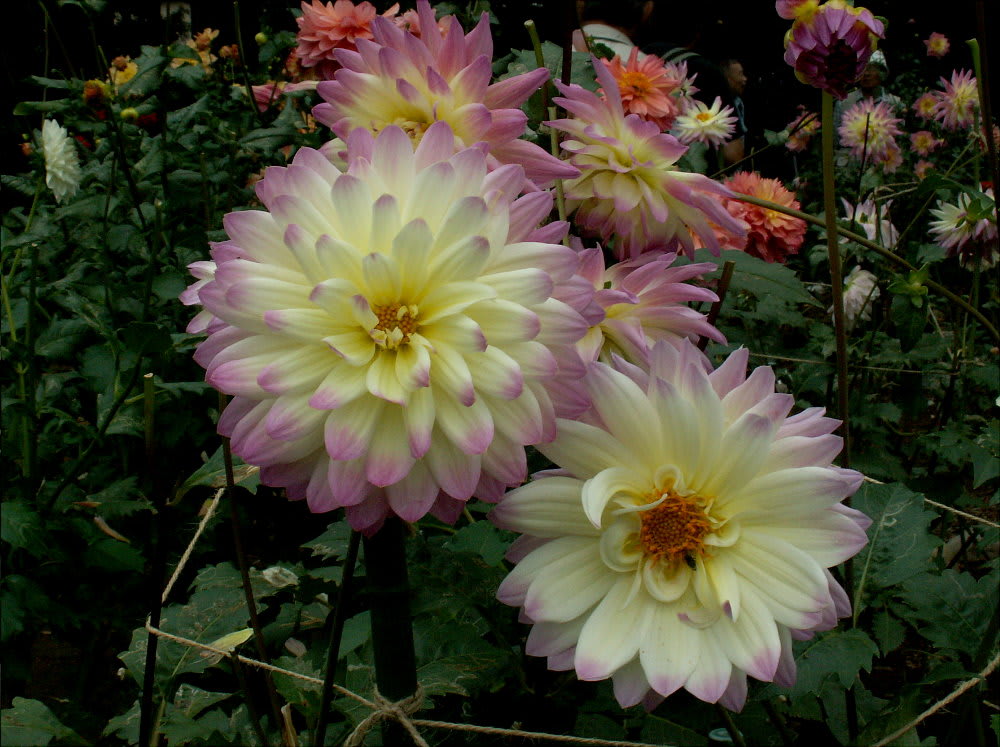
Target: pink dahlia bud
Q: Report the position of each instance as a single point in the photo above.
(388, 334)
(830, 46)
(686, 539)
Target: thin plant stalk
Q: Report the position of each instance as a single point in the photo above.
(241, 676)
(392, 629)
(336, 634)
(243, 65)
(241, 560)
(723, 287)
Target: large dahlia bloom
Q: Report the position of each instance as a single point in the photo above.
(686, 537)
(772, 236)
(957, 104)
(649, 88)
(62, 165)
(386, 332)
(644, 301)
(401, 80)
(630, 189)
(325, 27)
(869, 129)
(830, 44)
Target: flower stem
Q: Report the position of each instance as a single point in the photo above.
(392, 629)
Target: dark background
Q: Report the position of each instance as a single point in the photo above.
(746, 29)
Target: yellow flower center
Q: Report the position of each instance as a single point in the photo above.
(396, 323)
(413, 128)
(634, 83)
(703, 116)
(673, 530)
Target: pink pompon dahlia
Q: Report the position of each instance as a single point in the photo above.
(646, 87)
(772, 236)
(957, 104)
(401, 80)
(829, 45)
(869, 130)
(325, 27)
(630, 189)
(644, 301)
(686, 537)
(937, 45)
(711, 125)
(387, 333)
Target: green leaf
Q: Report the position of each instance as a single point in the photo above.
(457, 674)
(146, 338)
(191, 700)
(480, 538)
(894, 716)
(30, 723)
(909, 321)
(598, 726)
(332, 543)
(357, 631)
(952, 610)
(762, 279)
(213, 474)
(662, 731)
(61, 338)
(114, 556)
(899, 541)
(838, 655)
(888, 631)
(21, 526)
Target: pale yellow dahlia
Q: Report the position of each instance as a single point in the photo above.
(711, 125)
(387, 333)
(686, 537)
(62, 166)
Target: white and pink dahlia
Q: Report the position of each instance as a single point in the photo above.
(399, 79)
(711, 125)
(869, 129)
(686, 538)
(386, 332)
(644, 301)
(968, 228)
(630, 189)
(875, 220)
(957, 104)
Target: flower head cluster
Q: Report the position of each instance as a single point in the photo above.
(630, 188)
(387, 333)
(956, 105)
(62, 165)
(967, 228)
(771, 235)
(711, 125)
(685, 540)
(644, 300)
(869, 129)
(325, 27)
(650, 88)
(829, 45)
(801, 130)
(937, 45)
(923, 142)
(398, 79)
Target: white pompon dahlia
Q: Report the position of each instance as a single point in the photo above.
(686, 538)
(388, 332)
(62, 166)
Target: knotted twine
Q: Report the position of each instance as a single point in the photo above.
(387, 710)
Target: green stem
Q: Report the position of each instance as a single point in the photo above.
(243, 65)
(836, 272)
(881, 251)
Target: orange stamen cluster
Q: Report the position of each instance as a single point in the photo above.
(396, 323)
(635, 83)
(673, 530)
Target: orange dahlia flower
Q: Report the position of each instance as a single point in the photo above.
(772, 236)
(646, 88)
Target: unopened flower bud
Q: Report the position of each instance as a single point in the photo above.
(130, 114)
(261, 38)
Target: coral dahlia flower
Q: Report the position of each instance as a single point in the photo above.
(62, 165)
(644, 300)
(325, 27)
(386, 333)
(711, 125)
(957, 104)
(686, 537)
(646, 88)
(630, 188)
(401, 80)
(869, 130)
(772, 236)
(937, 45)
(829, 45)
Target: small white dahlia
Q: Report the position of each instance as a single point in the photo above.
(686, 537)
(387, 333)
(62, 165)
(860, 292)
(711, 125)
(968, 228)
